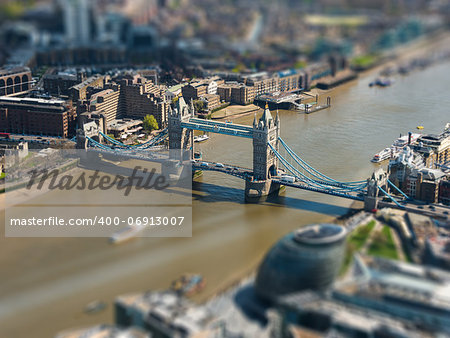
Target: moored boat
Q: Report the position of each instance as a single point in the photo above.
(201, 138)
(382, 155)
(126, 233)
(188, 284)
(382, 82)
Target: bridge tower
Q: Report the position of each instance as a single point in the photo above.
(180, 139)
(180, 142)
(265, 131)
(90, 127)
(378, 179)
(265, 164)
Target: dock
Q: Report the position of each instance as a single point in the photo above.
(316, 107)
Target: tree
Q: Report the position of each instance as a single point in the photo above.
(199, 106)
(150, 123)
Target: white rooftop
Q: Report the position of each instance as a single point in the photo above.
(30, 100)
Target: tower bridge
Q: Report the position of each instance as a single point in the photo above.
(275, 164)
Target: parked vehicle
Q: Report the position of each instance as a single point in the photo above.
(288, 179)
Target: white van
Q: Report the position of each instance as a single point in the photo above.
(288, 179)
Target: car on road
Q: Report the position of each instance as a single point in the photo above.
(204, 164)
(420, 206)
(445, 212)
(288, 179)
(219, 165)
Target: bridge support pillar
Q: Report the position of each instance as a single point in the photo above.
(82, 142)
(378, 179)
(175, 170)
(256, 190)
(370, 203)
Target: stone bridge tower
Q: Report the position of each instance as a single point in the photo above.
(265, 164)
(265, 131)
(378, 179)
(180, 139)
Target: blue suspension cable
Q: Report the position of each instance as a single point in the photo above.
(398, 189)
(390, 197)
(298, 158)
(303, 178)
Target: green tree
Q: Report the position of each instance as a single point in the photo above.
(150, 123)
(199, 106)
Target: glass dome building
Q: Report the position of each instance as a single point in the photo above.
(309, 258)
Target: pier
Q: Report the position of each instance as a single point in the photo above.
(303, 102)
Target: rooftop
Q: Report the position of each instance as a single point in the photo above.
(29, 100)
(176, 87)
(288, 72)
(408, 285)
(101, 93)
(87, 81)
(13, 70)
(166, 308)
(320, 234)
(61, 76)
(343, 314)
(121, 124)
(103, 331)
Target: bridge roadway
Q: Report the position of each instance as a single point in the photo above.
(304, 186)
(147, 155)
(432, 210)
(244, 173)
(233, 170)
(226, 128)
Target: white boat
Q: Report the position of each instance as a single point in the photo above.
(95, 306)
(201, 138)
(402, 141)
(126, 233)
(382, 155)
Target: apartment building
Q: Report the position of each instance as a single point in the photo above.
(37, 116)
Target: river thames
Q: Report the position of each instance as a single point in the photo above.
(45, 283)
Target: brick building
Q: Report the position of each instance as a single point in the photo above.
(224, 92)
(78, 92)
(127, 96)
(439, 144)
(14, 81)
(61, 84)
(193, 91)
(105, 101)
(140, 97)
(242, 94)
(37, 116)
(138, 103)
(236, 93)
(212, 101)
(444, 192)
(201, 89)
(262, 82)
(289, 80)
